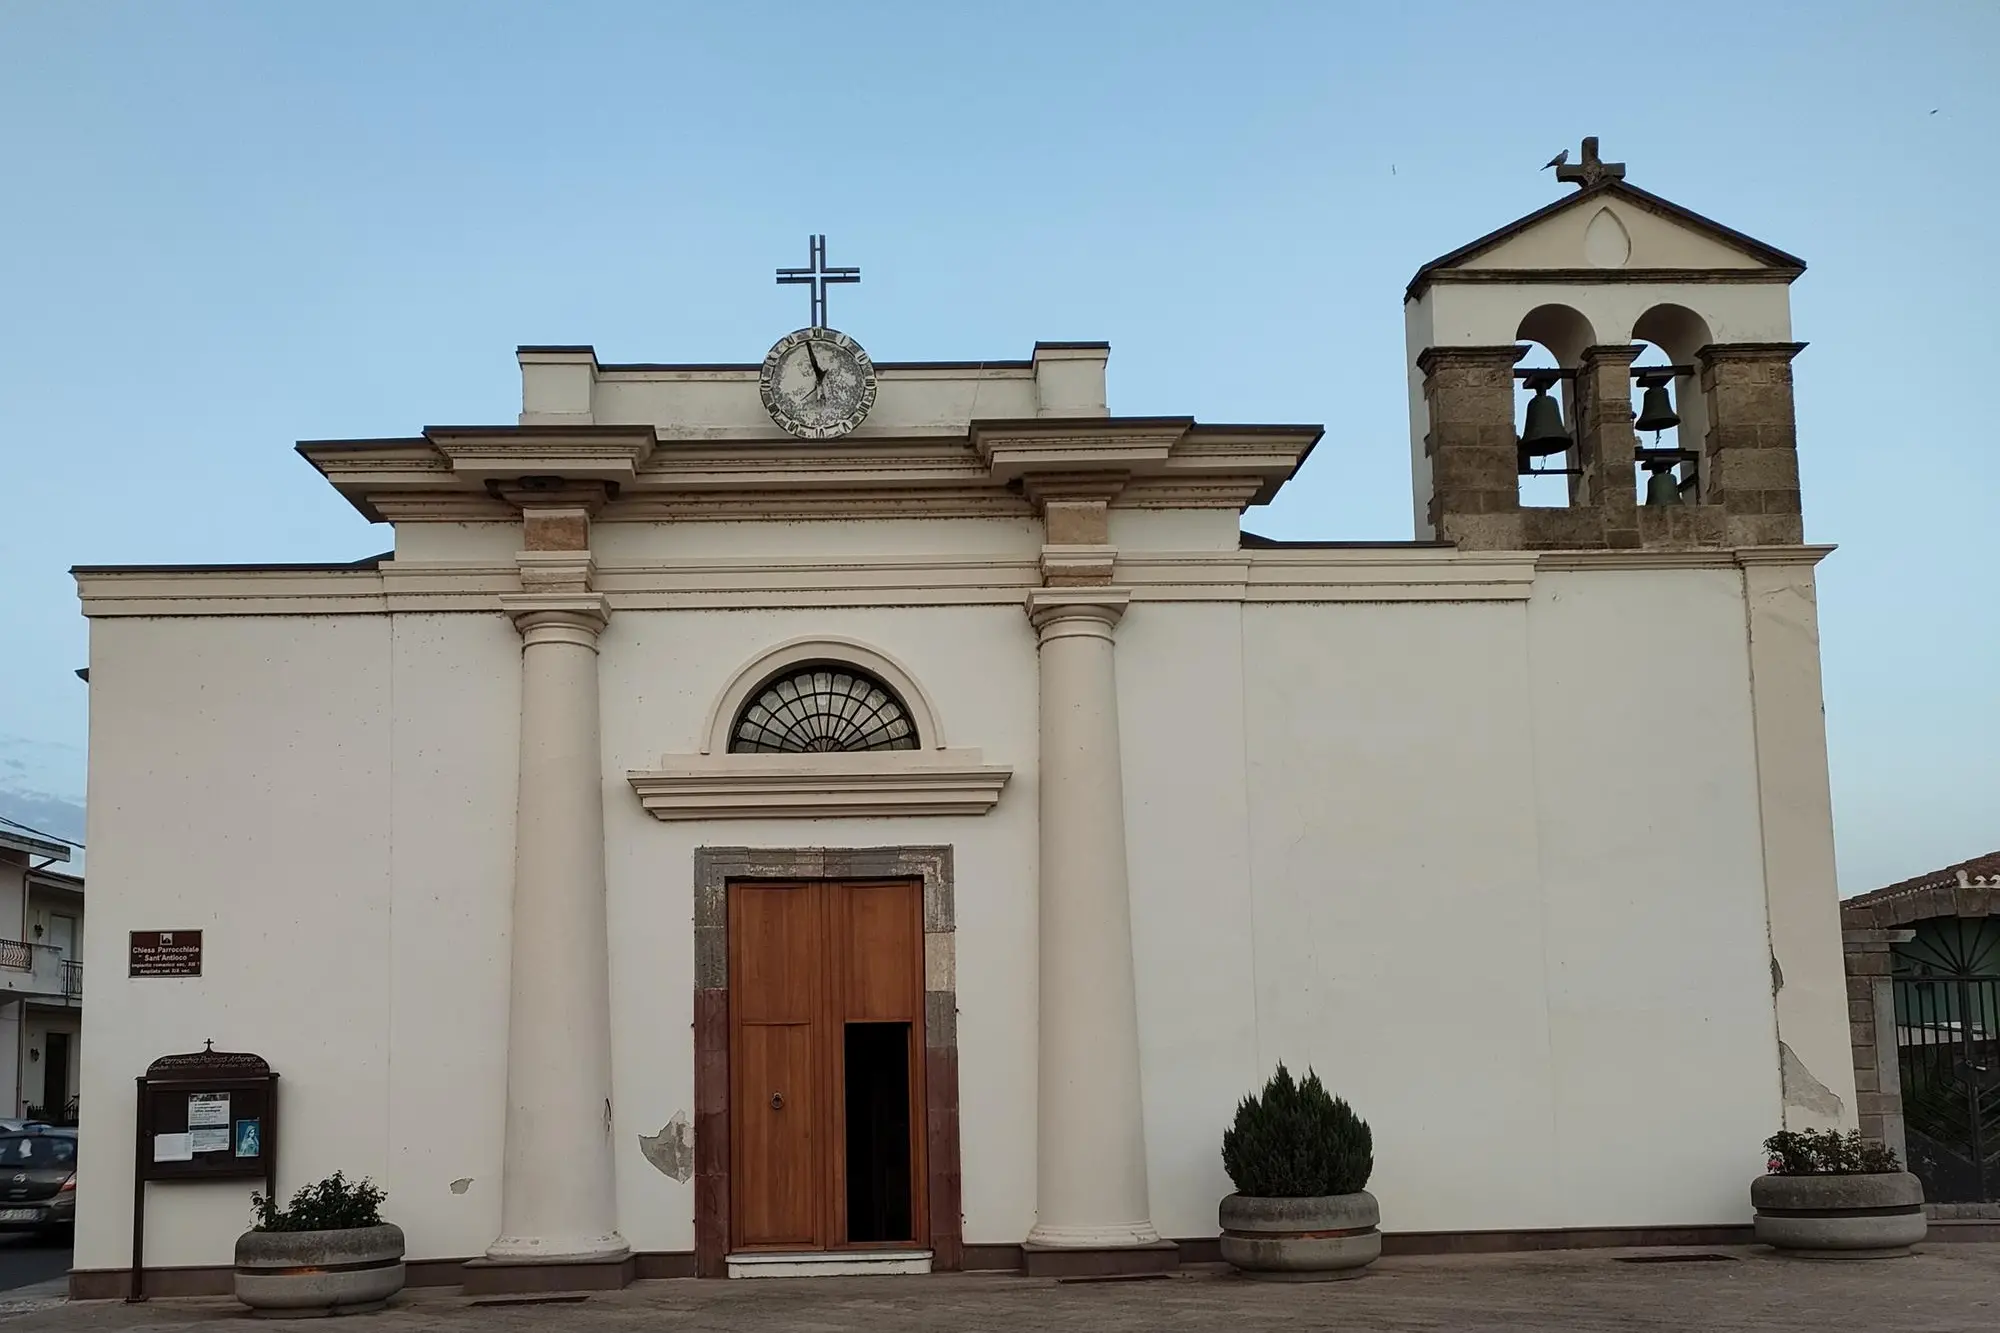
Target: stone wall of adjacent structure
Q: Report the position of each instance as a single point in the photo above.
(1870, 928)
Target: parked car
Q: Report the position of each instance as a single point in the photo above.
(37, 1179)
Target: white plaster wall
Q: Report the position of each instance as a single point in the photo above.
(1442, 880)
(661, 673)
(1658, 965)
(1135, 530)
(239, 784)
(1486, 314)
(725, 404)
(454, 756)
(330, 799)
(1652, 240)
(457, 543)
(616, 543)
(1452, 855)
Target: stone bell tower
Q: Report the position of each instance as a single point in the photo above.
(1589, 277)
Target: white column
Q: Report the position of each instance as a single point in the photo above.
(1091, 1159)
(556, 1194)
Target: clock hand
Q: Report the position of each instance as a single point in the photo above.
(819, 376)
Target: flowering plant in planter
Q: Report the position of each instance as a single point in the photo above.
(326, 1252)
(1834, 1195)
(1828, 1152)
(1300, 1159)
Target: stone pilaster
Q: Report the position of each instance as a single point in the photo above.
(1091, 1189)
(1471, 441)
(1871, 1023)
(1752, 448)
(1076, 526)
(1606, 441)
(1802, 903)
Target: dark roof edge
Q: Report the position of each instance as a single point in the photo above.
(1253, 541)
(366, 563)
(754, 367)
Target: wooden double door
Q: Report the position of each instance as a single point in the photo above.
(826, 1079)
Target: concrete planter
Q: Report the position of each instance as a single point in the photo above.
(1840, 1217)
(1301, 1240)
(298, 1274)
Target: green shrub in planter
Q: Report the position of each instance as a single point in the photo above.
(327, 1252)
(335, 1204)
(1295, 1140)
(1828, 1152)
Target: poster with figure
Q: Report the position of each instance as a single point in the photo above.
(248, 1140)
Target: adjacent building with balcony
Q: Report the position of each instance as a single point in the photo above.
(41, 978)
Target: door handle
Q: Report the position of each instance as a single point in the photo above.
(777, 1101)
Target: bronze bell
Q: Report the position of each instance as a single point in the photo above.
(1543, 433)
(1656, 409)
(1663, 487)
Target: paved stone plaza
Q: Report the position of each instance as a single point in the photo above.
(1946, 1289)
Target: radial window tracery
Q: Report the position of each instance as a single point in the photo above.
(822, 708)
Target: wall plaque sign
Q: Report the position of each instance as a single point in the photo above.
(166, 953)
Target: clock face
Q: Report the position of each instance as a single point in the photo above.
(818, 384)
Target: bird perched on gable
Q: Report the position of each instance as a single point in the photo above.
(1556, 161)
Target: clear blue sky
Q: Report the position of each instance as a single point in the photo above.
(226, 227)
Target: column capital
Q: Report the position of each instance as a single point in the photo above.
(1611, 354)
(1780, 352)
(542, 617)
(1077, 610)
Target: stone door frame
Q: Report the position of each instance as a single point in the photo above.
(715, 868)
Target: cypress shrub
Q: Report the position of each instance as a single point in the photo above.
(1295, 1140)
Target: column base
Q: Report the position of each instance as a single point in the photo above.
(1127, 1260)
(497, 1277)
(558, 1249)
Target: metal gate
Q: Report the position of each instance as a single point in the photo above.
(1948, 1048)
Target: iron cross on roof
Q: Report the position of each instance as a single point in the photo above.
(817, 275)
(1589, 171)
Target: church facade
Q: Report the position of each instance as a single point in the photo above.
(825, 815)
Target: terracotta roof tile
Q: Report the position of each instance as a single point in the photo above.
(1910, 899)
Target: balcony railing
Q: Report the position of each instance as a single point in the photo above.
(49, 974)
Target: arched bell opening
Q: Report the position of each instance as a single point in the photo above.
(1670, 416)
(1545, 404)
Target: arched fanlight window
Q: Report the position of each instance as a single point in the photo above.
(819, 708)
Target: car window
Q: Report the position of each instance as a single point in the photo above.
(18, 1150)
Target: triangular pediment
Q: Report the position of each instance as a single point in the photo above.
(1608, 228)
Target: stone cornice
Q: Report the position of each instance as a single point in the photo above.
(452, 474)
(1342, 574)
(1050, 447)
(1782, 555)
(605, 454)
(820, 786)
(1698, 558)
